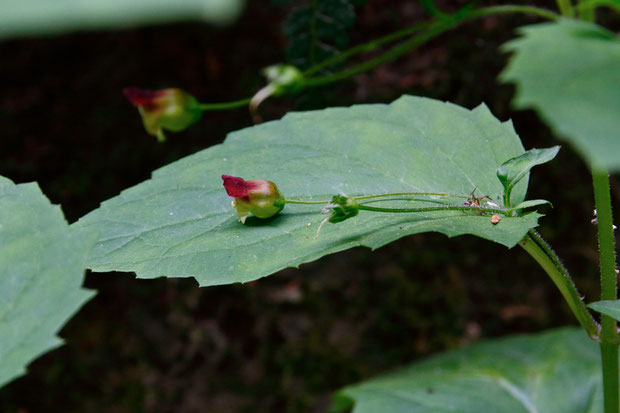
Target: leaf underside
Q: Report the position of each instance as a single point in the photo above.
(553, 372)
(42, 262)
(180, 223)
(568, 71)
(607, 307)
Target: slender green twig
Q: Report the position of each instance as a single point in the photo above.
(468, 208)
(609, 332)
(390, 194)
(423, 32)
(508, 9)
(367, 47)
(225, 105)
(442, 194)
(536, 246)
(298, 201)
(434, 28)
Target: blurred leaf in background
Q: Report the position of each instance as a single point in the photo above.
(42, 17)
(42, 265)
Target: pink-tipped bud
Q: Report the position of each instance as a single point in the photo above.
(169, 109)
(261, 198)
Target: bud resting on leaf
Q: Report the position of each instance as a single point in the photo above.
(169, 109)
(342, 207)
(260, 197)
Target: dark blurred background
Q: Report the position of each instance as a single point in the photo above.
(283, 343)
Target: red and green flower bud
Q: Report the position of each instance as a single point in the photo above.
(170, 109)
(342, 207)
(261, 198)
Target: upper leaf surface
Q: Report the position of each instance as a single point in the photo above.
(42, 262)
(568, 71)
(180, 223)
(557, 371)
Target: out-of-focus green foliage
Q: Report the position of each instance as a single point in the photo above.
(556, 371)
(569, 72)
(42, 17)
(42, 263)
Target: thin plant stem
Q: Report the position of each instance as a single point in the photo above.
(468, 208)
(566, 8)
(538, 249)
(425, 31)
(508, 8)
(367, 47)
(442, 194)
(225, 105)
(297, 201)
(433, 29)
(609, 332)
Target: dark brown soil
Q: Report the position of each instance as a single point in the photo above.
(287, 342)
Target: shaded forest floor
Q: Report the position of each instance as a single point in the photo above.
(286, 342)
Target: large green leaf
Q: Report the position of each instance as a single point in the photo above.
(37, 17)
(553, 372)
(42, 262)
(180, 223)
(569, 72)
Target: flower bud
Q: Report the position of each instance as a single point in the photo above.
(260, 197)
(342, 207)
(169, 109)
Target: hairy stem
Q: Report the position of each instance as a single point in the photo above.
(298, 201)
(609, 332)
(538, 249)
(433, 29)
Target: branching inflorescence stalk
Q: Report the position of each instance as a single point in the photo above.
(420, 33)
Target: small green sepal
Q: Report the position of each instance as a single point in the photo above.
(342, 208)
